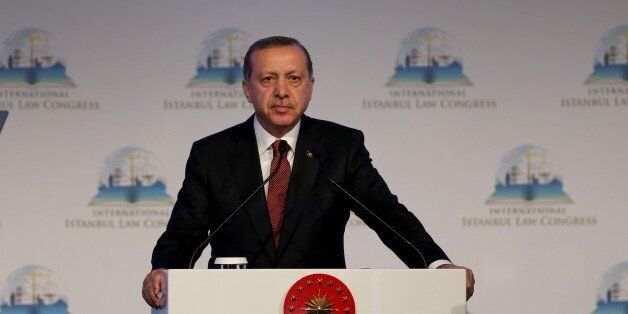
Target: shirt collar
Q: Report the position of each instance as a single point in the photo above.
(265, 139)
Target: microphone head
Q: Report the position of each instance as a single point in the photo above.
(283, 146)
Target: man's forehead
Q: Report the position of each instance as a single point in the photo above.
(291, 56)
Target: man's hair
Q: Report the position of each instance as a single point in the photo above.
(272, 42)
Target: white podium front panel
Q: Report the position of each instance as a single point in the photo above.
(263, 291)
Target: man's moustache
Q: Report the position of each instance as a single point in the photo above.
(289, 105)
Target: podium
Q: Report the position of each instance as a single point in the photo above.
(374, 291)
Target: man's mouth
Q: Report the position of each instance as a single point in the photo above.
(281, 108)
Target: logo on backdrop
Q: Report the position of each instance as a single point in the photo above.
(319, 293)
(528, 192)
(607, 86)
(129, 177)
(527, 176)
(30, 57)
(427, 57)
(611, 59)
(219, 64)
(217, 82)
(33, 74)
(613, 292)
(33, 289)
(428, 75)
(130, 193)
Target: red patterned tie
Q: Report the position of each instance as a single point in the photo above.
(277, 190)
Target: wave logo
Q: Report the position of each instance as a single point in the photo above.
(33, 290)
(219, 64)
(129, 178)
(613, 292)
(527, 176)
(30, 58)
(611, 58)
(428, 57)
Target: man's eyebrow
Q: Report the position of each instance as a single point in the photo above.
(272, 72)
(268, 73)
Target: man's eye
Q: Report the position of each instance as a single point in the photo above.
(294, 78)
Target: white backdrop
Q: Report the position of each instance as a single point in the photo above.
(131, 61)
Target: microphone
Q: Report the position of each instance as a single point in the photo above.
(312, 153)
(283, 149)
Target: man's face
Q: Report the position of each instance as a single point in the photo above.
(279, 87)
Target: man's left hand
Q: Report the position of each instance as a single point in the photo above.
(470, 278)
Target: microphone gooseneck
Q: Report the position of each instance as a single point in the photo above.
(283, 149)
(314, 154)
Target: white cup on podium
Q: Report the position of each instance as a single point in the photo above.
(230, 262)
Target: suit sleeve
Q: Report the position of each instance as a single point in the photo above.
(189, 221)
(369, 187)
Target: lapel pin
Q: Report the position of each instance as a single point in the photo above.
(309, 154)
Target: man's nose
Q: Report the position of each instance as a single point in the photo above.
(281, 88)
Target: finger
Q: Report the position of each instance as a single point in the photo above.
(161, 279)
(470, 283)
(470, 277)
(160, 286)
(469, 293)
(163, 286)
(150, 291)
(147, 298)
(144, 296)
(156, 283)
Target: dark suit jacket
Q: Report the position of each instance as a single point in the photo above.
(224, 168)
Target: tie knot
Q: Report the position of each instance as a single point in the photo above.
(277, 144)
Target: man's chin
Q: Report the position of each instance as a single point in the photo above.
(284, 122)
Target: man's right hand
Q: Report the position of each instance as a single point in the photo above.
(154, 283)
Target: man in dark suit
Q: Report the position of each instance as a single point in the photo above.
(300, 218)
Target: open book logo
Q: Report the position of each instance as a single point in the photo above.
(129, 177)
(33, 289)
(611, 59)
(31, 58)
(428, 57)
(528, 176)
(613, 292)
(219, 63)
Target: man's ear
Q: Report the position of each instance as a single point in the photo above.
(246, 88)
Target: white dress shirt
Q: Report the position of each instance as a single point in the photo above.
(264, 147)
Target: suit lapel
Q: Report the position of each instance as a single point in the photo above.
(246, 169)
(304, 172)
